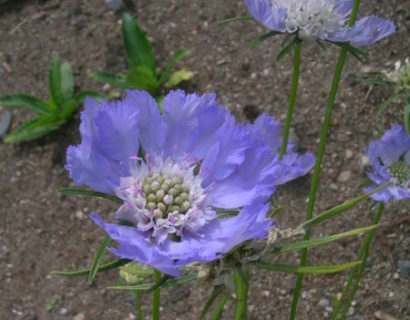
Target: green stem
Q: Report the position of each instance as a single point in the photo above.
(321, 151)
(138, 305)
(241, 292)
(363, 255)
(292, 99)
(157, 296)
(220, 308)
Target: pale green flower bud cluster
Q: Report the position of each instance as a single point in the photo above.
(165, 193)
(400, 172)
(135, 273)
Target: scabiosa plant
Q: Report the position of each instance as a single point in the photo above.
(319, 19)
(174, 172)
(390, 159)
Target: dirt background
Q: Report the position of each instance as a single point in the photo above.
(41, 231)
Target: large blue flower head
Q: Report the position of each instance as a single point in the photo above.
(319, 19)
(390, 159)
(175, 172)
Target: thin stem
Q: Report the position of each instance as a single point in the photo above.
(157, 296)
(138, 305)
(319, 157)
(292, 99)
(363, 255)
(220, 308)
(241, 292)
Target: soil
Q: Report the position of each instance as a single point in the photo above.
(41, 231)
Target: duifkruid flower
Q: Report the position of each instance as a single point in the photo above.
(390, 159)
(319, 19)
(175, 172)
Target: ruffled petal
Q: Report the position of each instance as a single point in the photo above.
(107, 143)
(182, 120)
(152, 129)
(222, 235)
(251, 179)
(271, 17)
(134, 246)
(365, 32)
(344, 7)
(293, 166)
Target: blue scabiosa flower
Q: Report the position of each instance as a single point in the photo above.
(390, 159)
(174, 173)
(319, 19)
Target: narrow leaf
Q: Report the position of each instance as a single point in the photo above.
(25, 101)
(236, 19)
(407, 118)
(220, 308)
(84, 272)
(287, 49)
(115, 80)
(215, 293)
(178, 55)
(359, 54)
(325, 269)
(67, 81)
(179, 76)
(388, 102)
(34, 129)
(98, 257)
(321, 241)
(341, 208)
(142, 78)
(137, 45)
(73, 104)
(87, 192)
(54, 82)
(263, 37)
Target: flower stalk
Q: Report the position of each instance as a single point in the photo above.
(157, 296)
(241, 283)
(320, 154)
(292, 99)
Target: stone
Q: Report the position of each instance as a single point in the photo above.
(324, 303)
(79, 316)
(5, 121)
(115, 5)
(344, 176)
(404, 267)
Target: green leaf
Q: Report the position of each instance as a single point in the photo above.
(325, 269)
(84, 272)
(376, 81)
(341, 208)
(25, 101)
(215, 293)
(321, 241)
(115, 80)
(67, 81)
(54, 82)
(73, 104)
(51, 304)
(388, 102)
(178, 55)
(236, 19)
(151, 286)
(407, 118)
(359, 54)
(287, 48)
(137, 45)
(179, 76)
(98, 257)
(263, 37)
(34, 129)
(142, 78)
(219, 309)
(87, 192)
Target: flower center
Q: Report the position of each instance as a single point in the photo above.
(313, 18)
(165, 194)
(400, 173)
(163, 198)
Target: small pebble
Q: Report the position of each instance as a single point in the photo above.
(79, 316)
(5, 121)
(344, 176)
(324, 303)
